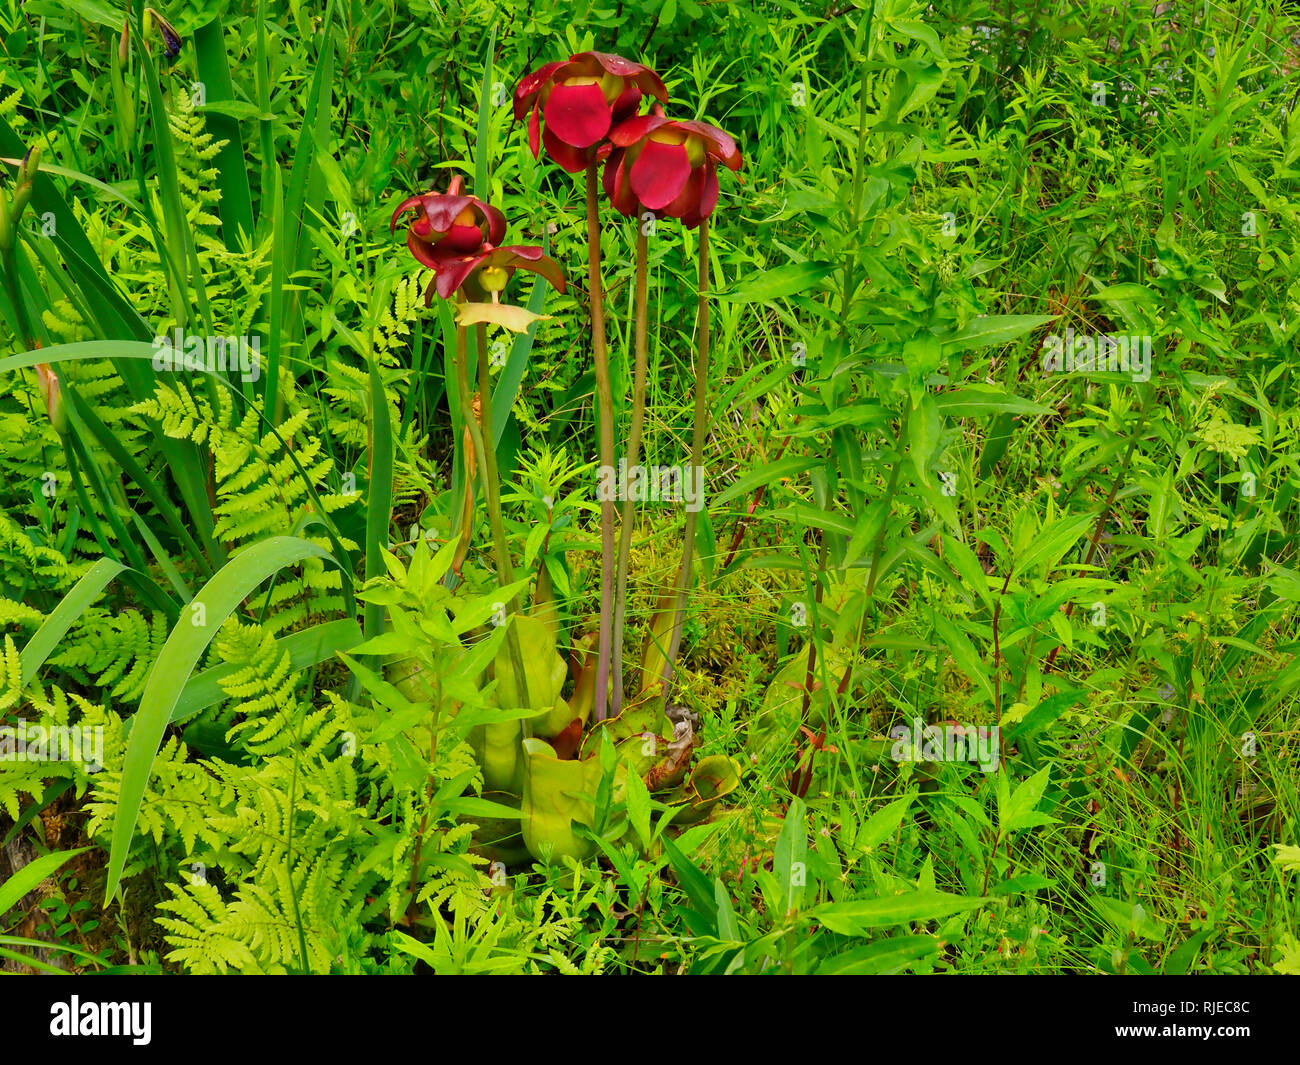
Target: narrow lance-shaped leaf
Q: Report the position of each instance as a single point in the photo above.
(198, 626)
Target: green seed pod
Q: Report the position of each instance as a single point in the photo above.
(27, 171)
(31, 165)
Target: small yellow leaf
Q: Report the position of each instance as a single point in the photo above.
(516, 319)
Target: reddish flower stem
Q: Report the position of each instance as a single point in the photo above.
(605, 419)
(633, 456)
(697, 457)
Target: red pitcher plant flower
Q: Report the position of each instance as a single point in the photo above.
(450, 224)
(666, 166)
(456, 235)
(581, 99)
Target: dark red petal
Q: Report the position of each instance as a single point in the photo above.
(617, 186)
(534, 131)
(495, 219)
(627, 103)
(442, 211)
(688, 199)
(631, 131)
(659, 173)
(698, 199)
(461, 240)
(422, 251)
(531, 85)
(405, 205)
(709, 193)
(572, 159)
(648, 81)
(534, 259)
(453, 272)
(582, 64)
(721, 146)
(609, 178)
(638, 73)
(506, 256)
(614, 64)
(578, 114)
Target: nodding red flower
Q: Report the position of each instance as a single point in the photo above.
(668, 167)
(580, 100)
(451, 224)
(489, 269)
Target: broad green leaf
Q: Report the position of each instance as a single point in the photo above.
(1045, 713)
(919, 31)
(882, 824)
(883, 957)
(993, 330)
(1051, 544)
(1019, 811)
(855, 918)
(924, 432)
(379, 494)
(979, 400)
(779, 282)
(639, 807)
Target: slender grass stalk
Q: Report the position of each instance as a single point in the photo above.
(697, 456)
(605, 406)
(633, 456)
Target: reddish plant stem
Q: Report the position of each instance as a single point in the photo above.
(633, 457)
(697, 458)
(605, 418)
